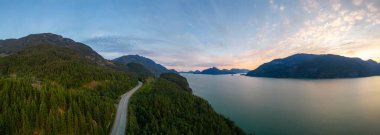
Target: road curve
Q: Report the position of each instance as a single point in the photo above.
(121, 115)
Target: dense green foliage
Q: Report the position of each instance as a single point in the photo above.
(177, 79)
(164, 107)
(52, 109)
(50, 89)
(56, 63)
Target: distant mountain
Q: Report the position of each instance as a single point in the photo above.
(148, 63)
(216, 71)
(140, 71)
(192, 71)
(317, 66)
(237, 70)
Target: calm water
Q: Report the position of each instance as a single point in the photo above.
(289, 106)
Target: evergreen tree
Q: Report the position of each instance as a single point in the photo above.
(167, 106)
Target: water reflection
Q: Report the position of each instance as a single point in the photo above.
(291, 106)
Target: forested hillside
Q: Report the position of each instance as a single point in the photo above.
(50, 89)
(166, 106)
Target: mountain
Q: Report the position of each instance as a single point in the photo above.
(317, 66)
(50, 88)
(12, 46)
(216, 71)
(237, 70)
(192, 71)
(148, 63)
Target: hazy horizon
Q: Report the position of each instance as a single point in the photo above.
(198, 34)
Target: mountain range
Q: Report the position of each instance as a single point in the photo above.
(54, 85)
(317, 66)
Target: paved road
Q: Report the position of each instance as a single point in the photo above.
(121, 116)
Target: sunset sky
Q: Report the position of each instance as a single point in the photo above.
(197, 34)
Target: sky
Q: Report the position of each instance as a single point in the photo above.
(197, 34)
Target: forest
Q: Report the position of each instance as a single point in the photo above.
(54, 90)
(167, 106)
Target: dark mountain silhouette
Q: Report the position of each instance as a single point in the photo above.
(148, 63)
(237, 70)
(317, 66)
(192, 71)
(216, 71)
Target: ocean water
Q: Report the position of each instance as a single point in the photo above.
(267, 106)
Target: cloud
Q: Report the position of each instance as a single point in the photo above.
(186, 34)
(338, 29)
(325, 32)
(341, 31)
(310, 6)
(357, 2)
(276, 6)
(335, 4)
(368, 49)
(167, 53)
(273, 5)
(116, 46)
(371, 7)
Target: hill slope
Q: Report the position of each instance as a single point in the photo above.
(317, 66)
